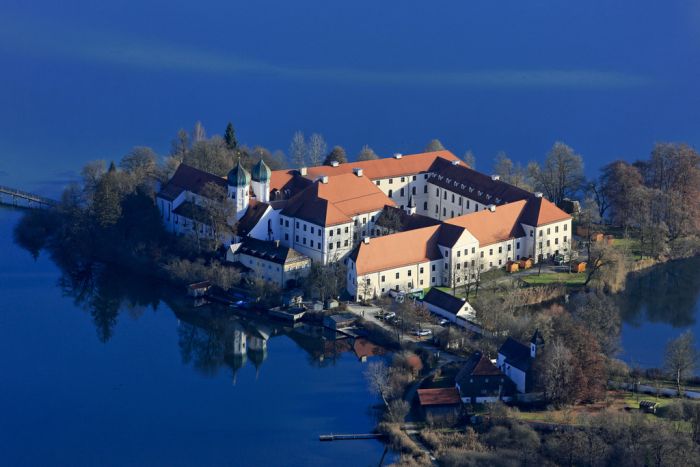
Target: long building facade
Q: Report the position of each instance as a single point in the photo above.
(333, 213)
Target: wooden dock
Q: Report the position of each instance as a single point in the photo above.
(350, 437)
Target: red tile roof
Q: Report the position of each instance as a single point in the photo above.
(492, 227)
(387, 167)
(337, 201)
(397, 250)
(438, 396)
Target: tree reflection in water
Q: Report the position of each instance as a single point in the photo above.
(668, 293)
(210, 337)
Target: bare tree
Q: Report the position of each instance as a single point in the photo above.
(562, 173)
(317, 148)
(378, 377)
(469, 158)
(555, 373)
(367, 154)
(390, 220)
(198, 134)
(180, 145)
(434, 145)
(219, 211)
(681, 358)
(297, 150)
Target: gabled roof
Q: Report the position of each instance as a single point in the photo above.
(475, 185)
(386, 167)
(187, 178)
(516, 354)
(444, 301)
(492, 227)
(270, 251)
(478, 365)
(396, 250)
(336, 201)
(438, 396)
(539, 211)
(255, 212)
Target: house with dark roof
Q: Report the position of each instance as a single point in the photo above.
(480, 381)
(448, 306)
(269, 260)
(515, 360)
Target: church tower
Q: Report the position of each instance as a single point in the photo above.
(239, 189)
(261, 181)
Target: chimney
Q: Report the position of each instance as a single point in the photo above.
(277, 243)
(398, 155)
(538, 194)
(455, 162)
(495, 177)
(365, 240)
(492, 207)
(324, 178)
(335, 163)
(357, 171)
(302, 171)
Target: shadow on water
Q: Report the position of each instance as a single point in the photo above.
(668, 293)
(210, 337)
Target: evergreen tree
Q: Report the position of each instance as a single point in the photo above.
(337, 154)
(230, 137)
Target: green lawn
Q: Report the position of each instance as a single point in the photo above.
(565, 278)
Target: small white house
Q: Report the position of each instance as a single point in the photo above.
(448, 306)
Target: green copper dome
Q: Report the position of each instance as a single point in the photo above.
(238, 176)
(261, 172)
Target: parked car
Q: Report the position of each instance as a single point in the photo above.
(389, 315)
(422, 332)
(444, 322)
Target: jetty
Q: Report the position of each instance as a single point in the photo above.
(349, 437)
(24, 199)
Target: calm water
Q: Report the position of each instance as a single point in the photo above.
(660, 304)
(98, 370)
(84, 80)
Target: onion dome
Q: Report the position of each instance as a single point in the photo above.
(261, 172)
(238, 176)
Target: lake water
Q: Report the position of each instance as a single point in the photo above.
(660, 304)
(99, 369)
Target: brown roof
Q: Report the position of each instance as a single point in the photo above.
(439, 396)
(255, 212)
(187, 178)
(540, 211)
(396, 250)
(337, 201)
(492, 227)
(375, 169)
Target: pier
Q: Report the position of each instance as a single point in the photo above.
(349, 437)
(23, 199)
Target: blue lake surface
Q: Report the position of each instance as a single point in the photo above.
(84, 80)
(117, 376)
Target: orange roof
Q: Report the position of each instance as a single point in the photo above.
(375, 169)
(397, 250)
(492, 227)
(337, 201)
(540, 211)
(439, 396)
